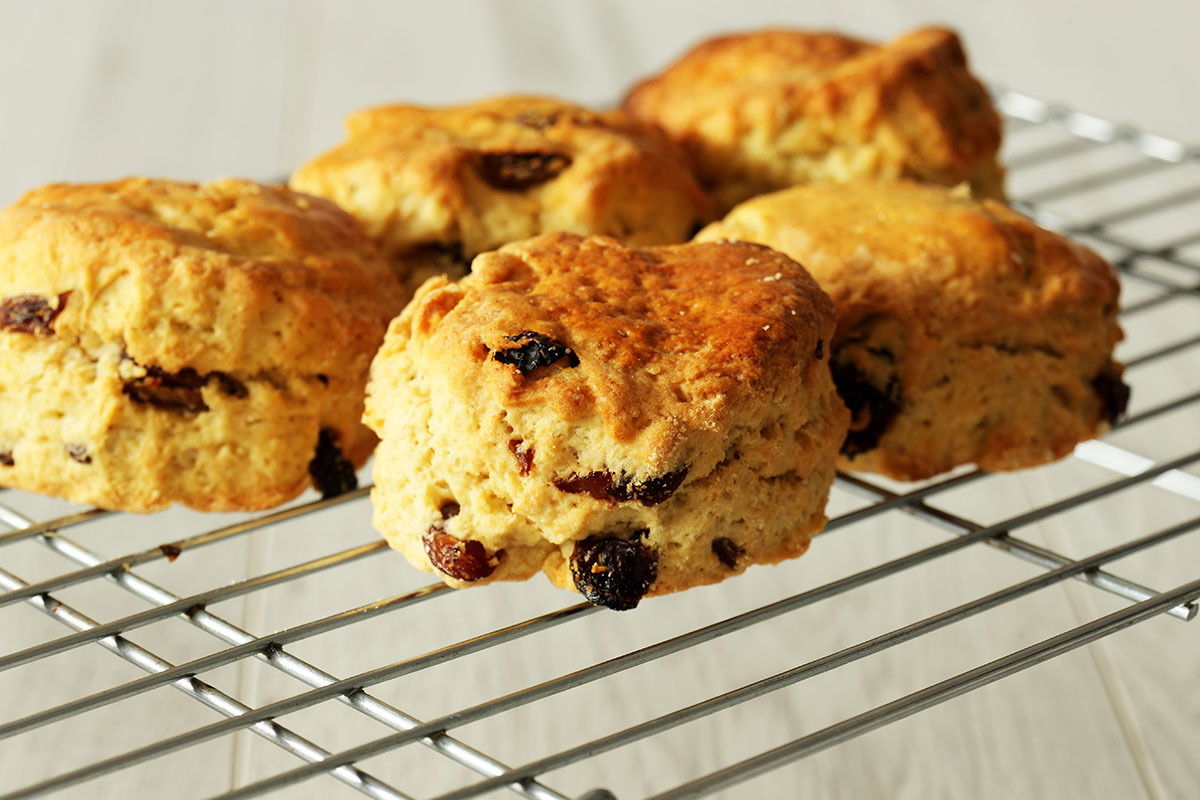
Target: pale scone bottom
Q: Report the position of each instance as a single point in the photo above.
(996, 405)
(247, 452)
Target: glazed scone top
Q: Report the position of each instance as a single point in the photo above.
(666, 339)
(221, 276)
(480, 175)
(761, 105)
(951, 265)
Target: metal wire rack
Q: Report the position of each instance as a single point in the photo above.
(1144, 494)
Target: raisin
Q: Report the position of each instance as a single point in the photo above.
(447, 256)
(450, 509)
(538, 120)
(331, 473)
(464, 560)
(30, 313)
(538, 350)
(323, 378)
(1113, 393)
(516, 171)
(6, 459)
(597, 484)
(229, 385)
(171, 391)
(819, 353)
(653, 491)
(524, 457)
(179, 391)
(882, 353)
(871, 409)
(614, 573)
(79, 453)
(171, 551)
(727, 551)
(605, 486)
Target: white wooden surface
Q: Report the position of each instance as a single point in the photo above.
(94, 90)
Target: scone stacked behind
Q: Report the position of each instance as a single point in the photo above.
(437, 186)
(166, 342)
(763, 111)
(631, 421)
(966, 333)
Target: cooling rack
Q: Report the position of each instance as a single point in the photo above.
(1131, 494)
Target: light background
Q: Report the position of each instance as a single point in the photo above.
(101, 89)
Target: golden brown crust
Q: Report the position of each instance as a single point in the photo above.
(991, 331)
(665, 333)
(766, 110)
(203, 276)
(205, 339)
(688, 399)
(470, 178)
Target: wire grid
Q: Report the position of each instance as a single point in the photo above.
(1160, 265)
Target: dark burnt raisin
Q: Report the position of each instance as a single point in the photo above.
(331, 473)
(6, 459)
(171, 551)
(31, 313)
(1113, 393)
(524, 456)
(517, 170)
(605, 486)
(538, 350)
(727, 551)
(171, 391)
(614, 573)
(871, 409)
(79, 453)
(229, 385)
(450, 509)
(324, 379)
(463, 560)
(819, 353)
(653, 491)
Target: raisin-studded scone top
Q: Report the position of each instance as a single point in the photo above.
(917, 272)
(439, 185)
(629, 421)
(765, 110)
(669, 339)
(229, 276)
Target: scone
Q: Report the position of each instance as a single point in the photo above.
(631, 421)
(966, 333)
(436, 186)
(165, 342)
(763, 111)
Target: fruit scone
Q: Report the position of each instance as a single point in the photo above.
(966, 333)
(437, 186)
(631, 421)
(770, 109)
(166, 342)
